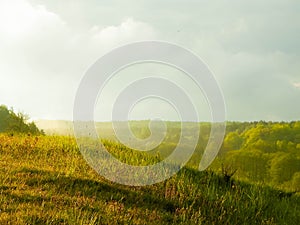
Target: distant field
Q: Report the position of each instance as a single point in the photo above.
(45, 180)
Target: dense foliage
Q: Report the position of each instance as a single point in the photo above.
(265, 152)
(12, 122)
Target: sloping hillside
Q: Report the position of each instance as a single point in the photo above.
(45, 180)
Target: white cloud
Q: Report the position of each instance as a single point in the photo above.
(99, 40)
(296, 84)
(19, 18)
(43, 59)
(128, 30)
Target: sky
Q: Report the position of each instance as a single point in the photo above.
(251, 46)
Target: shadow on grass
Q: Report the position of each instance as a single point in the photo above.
(68, 187)
(191, 189)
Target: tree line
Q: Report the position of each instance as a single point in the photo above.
(265, 152)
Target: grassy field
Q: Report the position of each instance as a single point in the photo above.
(45, 180)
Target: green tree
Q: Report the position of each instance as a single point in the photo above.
(16, 122)
(296, 181)
(233, 141)
(283, 166)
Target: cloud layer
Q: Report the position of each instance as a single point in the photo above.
(252, 46)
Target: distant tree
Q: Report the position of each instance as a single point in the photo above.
(296, 181)
(233, 141)
(250, 164)
(264, 151)
(283, 166)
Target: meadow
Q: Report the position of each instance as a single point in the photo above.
(45, 180)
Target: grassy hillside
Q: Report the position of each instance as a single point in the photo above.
(260, 152)
(45, 180)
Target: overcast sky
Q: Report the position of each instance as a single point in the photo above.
(252, 47)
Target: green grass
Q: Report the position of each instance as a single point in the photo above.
(45, 180)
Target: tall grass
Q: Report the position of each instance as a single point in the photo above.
(45, 180)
